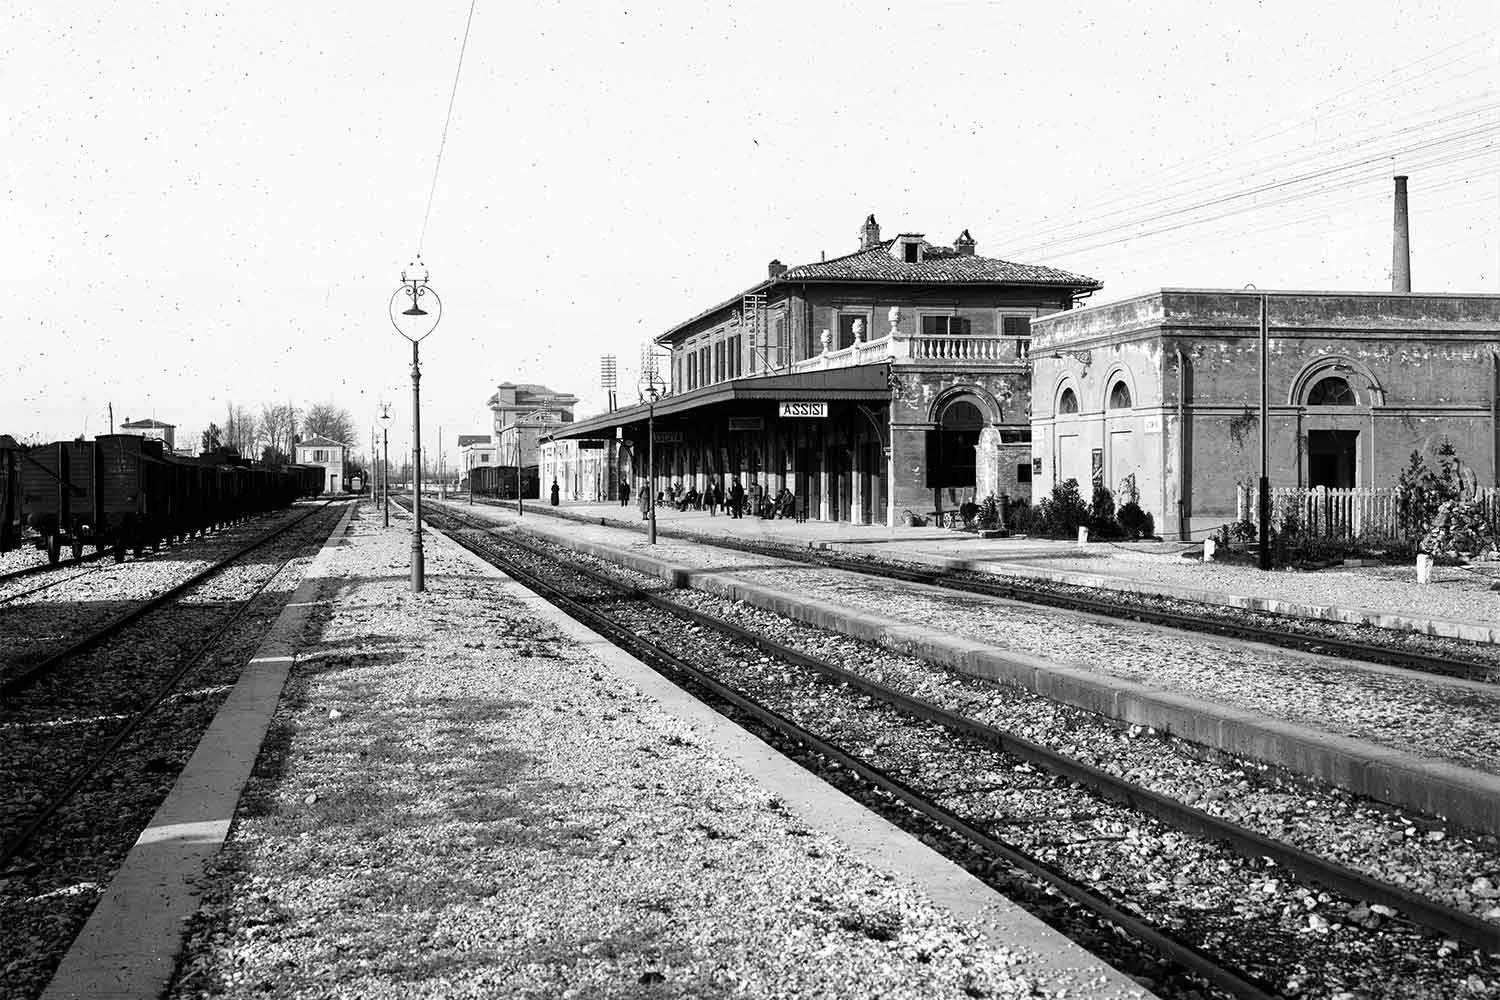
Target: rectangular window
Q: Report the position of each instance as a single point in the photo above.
(945, 326)
(736, 356)
(1018, 327)
(912, 250)
(719, 361)
(846, 329)
(1023, 472)
(776, 350)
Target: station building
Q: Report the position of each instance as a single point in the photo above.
(895, 378)
(522, 415)
(1166, 387)
(330, 455)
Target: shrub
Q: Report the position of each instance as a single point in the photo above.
(1024, 519)
(1064, 512)
(1134, 521)
(989, 513)
(1244, 531)
(1102, 512)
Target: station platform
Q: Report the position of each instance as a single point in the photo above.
(463, 793)
(1417, 741)
(1461, 602)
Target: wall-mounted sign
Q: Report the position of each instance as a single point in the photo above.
(803, 410)
(667, 437)
(587, 444)
(1151, 424)
(747, 423)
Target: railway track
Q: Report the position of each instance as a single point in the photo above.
(86, 764)
(39, 568)
(31, 571)
(988, 751)
(1284, 631)
(22, 676)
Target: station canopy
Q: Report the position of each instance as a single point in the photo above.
(858, 383)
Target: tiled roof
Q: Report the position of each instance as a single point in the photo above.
(150, 423)
(466, 439)
(943, 265)
(877, 264)
(320, 442)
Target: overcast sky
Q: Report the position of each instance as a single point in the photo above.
(208, 202)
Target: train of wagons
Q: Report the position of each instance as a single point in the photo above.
(122, 491)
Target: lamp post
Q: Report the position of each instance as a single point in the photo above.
(650, 386)
(1264, 492)
(384, 419)
(415, 323)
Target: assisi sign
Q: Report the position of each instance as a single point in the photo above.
(803, 410)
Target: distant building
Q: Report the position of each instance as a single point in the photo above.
(477, 450)
(327, 453)
(154, 429)
(522, 414)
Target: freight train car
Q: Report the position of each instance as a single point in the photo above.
(10, 493)
(122, 491)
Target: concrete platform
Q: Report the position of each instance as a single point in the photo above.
(130, 945)
(1459, 604)
(1465, 796)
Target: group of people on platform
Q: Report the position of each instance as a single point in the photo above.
(736, 501)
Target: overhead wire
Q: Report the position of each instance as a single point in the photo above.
(1366, 90)
(1362, 166)
(1317, 113)
(443, 142)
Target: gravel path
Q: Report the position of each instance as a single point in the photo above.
(1441, 718)
(457, 802)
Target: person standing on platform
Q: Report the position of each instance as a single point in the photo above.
(712, 496)
(755, 495)
(736, 498)
(624, 492)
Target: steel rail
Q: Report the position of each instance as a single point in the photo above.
(6, 599)
(39, 568)
(30, 675)
(1323, 645)
(1248, 843)
(1230, 980)
(18, 843)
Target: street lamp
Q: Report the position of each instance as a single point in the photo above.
(384, 419)
(651, 385)
(415, 323)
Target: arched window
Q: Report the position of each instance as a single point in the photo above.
(1067, 402)
(950, 447)
(962, 415)
(1119, 397)
(1331, 391)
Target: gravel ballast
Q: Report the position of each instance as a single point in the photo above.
(458, 801)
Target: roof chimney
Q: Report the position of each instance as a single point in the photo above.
(775, 269)
(869, 233)
(1401, 250)
(964, 245)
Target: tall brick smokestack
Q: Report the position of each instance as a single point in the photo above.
(1401, 247)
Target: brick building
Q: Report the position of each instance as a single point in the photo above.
(893, 378)
(1165, 386)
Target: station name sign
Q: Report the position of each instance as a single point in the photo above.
(590, 444)
(803, 410)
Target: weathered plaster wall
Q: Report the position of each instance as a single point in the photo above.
(1422, 369)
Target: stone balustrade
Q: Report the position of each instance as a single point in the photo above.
(982, 350)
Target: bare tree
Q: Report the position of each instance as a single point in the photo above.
(240, 430)
(329, 420)
(278, 432)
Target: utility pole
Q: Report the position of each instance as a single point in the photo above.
(1265, 436)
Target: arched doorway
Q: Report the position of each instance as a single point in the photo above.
(950, 447)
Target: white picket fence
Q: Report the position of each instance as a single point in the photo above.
(1348, 513)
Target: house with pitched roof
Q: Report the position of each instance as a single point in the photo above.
(891, 379)
(330, 455)
(152, 428)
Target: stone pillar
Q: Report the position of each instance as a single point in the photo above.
(987, 480)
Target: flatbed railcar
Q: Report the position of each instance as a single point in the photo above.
(122, 491)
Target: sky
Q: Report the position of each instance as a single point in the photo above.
(212, 202)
